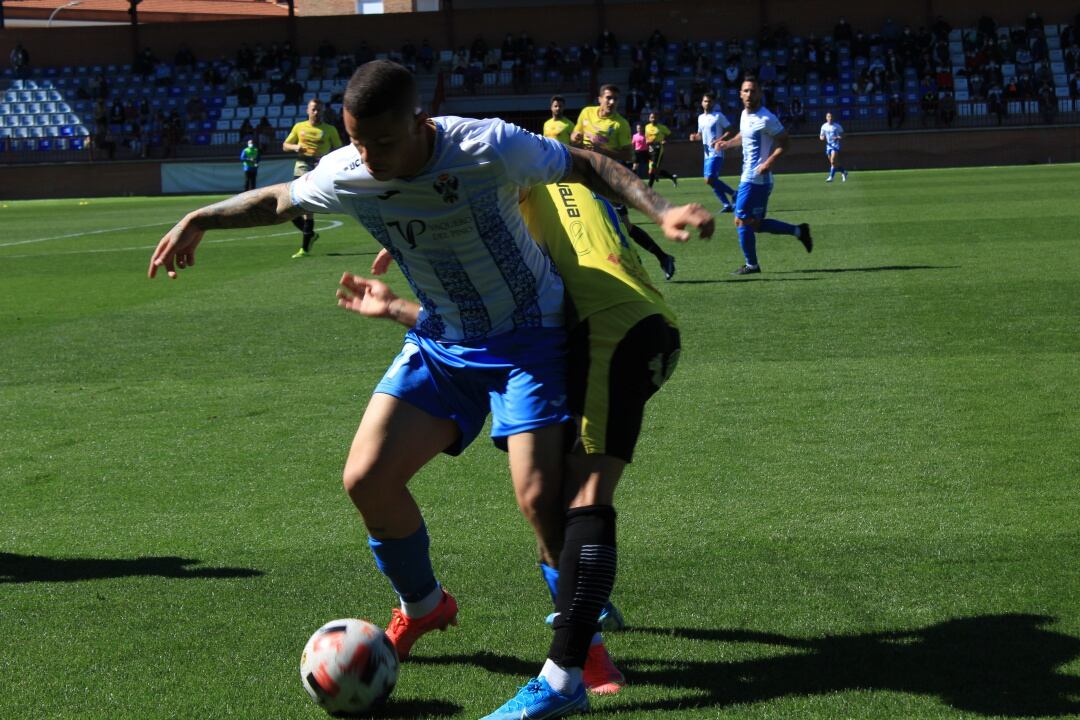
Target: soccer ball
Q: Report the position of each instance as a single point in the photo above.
(348, 666)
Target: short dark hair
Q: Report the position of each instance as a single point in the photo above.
(558, 98)
(315, 100)
(709, 94)
(613, 88)
(380, 86)
(750, 78)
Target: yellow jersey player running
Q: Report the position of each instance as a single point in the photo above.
(656, 134)
(310, 139)
(602, 129)
(623, 344)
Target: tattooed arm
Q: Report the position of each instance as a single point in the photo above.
(614, 181)
(266, 206)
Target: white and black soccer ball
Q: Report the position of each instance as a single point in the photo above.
(349, 666)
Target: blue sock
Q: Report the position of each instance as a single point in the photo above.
(832, 171)
(748, 242)
(842, 170)
(406, 562)
(551, 577)
(722, 191)
(724, 187)
(777, 227)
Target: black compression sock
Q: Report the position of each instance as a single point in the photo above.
(643, 239)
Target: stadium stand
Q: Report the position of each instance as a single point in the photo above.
(935, 77)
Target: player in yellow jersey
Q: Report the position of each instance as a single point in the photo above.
(602, 129)
(558, 127)
(310, 139)
(656, 134)
(622, 336)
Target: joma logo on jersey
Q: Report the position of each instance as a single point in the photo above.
(447, 185)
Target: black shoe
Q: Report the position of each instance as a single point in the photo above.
(747, 270)
(728, 209)
(668, 265)
(675, 179)
(805, 239)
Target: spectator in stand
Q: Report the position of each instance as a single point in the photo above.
(897, 111)
(1034, 23)
(20, 60)
(116, 112)
(608, 46)
(929, 105)
(947, 108)
(842, 33)
(363, 53)
(163, 74)
(798, 113)
(408, 55)
(426, 55)
(1047, 102)
(1074, 85)
(265, 133)
(246, 129)
(184, 57)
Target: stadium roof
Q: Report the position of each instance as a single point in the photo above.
(150, 11)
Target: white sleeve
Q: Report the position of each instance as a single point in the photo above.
(724, 122)
(773, 126)
(530, 159)
(316, 191)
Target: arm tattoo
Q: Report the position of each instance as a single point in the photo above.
(265, 206)
(614, 181)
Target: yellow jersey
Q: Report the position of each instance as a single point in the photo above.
(655, 133)
(582, 235)
(314, 140)
(558, 129)
(612, 132)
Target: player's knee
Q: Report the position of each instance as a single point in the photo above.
(366, 482)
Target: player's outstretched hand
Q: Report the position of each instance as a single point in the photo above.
(176, 250)
(365, 296)
(675, 220)
(381, 263)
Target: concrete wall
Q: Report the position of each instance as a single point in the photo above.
(954, 148)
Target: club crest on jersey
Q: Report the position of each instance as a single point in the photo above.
(447, 186)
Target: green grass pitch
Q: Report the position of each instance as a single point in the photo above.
(857, 497)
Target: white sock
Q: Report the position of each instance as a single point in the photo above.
(562, 680)
(422, 607)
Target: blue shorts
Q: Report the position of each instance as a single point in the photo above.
(519, 377)
(830, 149)
(752, 201)
(712, 167)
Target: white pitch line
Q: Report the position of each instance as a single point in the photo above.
(333, 225)
(81, 234)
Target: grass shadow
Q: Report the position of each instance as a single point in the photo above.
(407, 710)
(882, 268)
(1001, 665)
(38, 568)
(736, 281)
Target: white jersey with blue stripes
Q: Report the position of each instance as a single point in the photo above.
(711, 125)
(455, 229)
(833, 133)
(758, 130)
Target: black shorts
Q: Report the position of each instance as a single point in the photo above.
(618, 359)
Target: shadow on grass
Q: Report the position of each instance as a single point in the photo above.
(742, 280)
(408, 709)
(1002, 665)
(36, 568)
(882, 268)
(350, 254)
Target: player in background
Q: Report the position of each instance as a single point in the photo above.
(656, 134)
(310, 139)
(713, 125)
(763, 141)
(831, 135)
(622, 335)
(558, 126)
(249, 160)
(602, 129)
(641, 152)
(488, 337)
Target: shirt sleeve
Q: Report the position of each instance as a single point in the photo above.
(773, 126)
(294, 135)
(580, 126)
(316, 191)
(530, 159)
(335, 139)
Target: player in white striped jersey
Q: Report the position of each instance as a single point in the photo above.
(763, 141)
(831, 134)
(441, 195)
